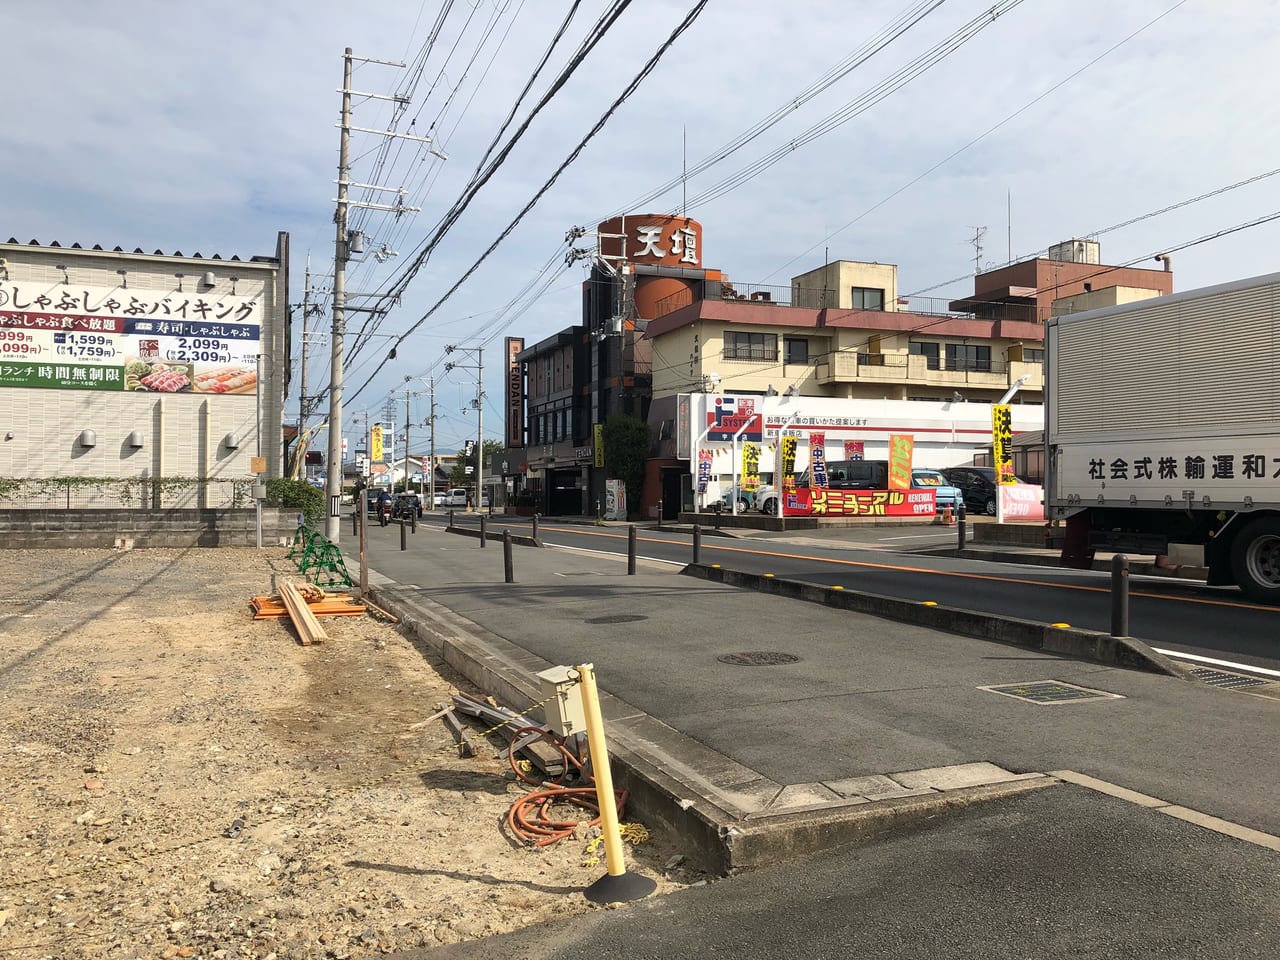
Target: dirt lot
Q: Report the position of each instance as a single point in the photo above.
(178, 780)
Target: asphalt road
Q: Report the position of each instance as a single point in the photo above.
(1176, 615)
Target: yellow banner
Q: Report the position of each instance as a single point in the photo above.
(597, 441)
(750, 466)
(787, 454)
(1002, 444)
(375, 444)
(901, 448)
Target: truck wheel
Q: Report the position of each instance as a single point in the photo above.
(1255, 559)
(989, 508)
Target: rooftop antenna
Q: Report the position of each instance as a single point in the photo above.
(978, 234)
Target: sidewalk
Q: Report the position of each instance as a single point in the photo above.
(848, 722)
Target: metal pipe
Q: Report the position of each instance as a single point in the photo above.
(508, 565)
(631, 549)
(960, 526)
(484, 534)
(697, 543)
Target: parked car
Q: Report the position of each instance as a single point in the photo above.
(440, 497)
(944, 493)
(977, 486)
(403, 503)
(455, 497)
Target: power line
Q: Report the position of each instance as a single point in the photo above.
(1125, 223)
(631, 87)
(881, 39)
(878, 93)
(982, 136)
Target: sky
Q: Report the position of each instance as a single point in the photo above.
(212, 127)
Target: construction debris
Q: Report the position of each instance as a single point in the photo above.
(532, 746)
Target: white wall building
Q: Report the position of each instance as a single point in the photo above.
(121, 365)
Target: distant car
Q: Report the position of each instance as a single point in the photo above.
(455, 497)
(440, 497)
(944, 493)
(977, 486)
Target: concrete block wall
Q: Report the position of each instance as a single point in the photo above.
(44, 529)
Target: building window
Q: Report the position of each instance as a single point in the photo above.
(868, 298)
(750, 346)
(795, 350)
(1033, 355)
(969, 356)
(919, 348)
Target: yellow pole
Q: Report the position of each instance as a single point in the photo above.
(617, 886)
(600, 770)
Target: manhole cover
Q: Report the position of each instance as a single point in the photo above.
(1050, 691)
(1232, 681)
(760, 658)
(618, 618)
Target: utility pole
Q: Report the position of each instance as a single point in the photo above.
(479, 428)
(478, 367)
(342, 253)
(303, 411)
(407, 488)
(333, 483)
(432, 421)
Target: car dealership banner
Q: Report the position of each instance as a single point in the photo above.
(98, 338)
(821, 502)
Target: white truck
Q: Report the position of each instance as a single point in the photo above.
(1162, 431)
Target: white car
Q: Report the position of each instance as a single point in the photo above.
(455, 497)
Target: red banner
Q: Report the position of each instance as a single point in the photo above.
(854, 449)
(821, 502)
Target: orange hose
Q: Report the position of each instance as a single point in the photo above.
(530, 817)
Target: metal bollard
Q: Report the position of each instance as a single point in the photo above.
(508, 566)
(631, 549)
(404, 534)
(697, 543)
(1120, 595)
(451, 518)
(535, 526)
(484, 534)
(659, 514)
(960, 527)
(355, 522)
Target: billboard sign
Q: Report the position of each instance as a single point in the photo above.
(728, 415)
(99, 338)
(515, 393)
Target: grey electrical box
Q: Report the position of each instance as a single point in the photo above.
(563, 711)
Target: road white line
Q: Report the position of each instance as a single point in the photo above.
(615, 556)
(1207, 821)
(920, 536)
(1229, 664)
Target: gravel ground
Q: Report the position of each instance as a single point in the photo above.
(179, 780)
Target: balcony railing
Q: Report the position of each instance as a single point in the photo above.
(846, 367)
(812, 298)
(816, 298)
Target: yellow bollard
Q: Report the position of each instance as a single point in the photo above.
(616, 886)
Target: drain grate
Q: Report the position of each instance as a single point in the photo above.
(618, 618)
(759, 658)
(1232, 681)
(1046, 692)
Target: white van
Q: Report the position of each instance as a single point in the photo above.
(455, 497)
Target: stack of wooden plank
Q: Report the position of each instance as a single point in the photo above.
(331, 605)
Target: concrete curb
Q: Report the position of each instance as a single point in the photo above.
(727, 816)
(1082, 644)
